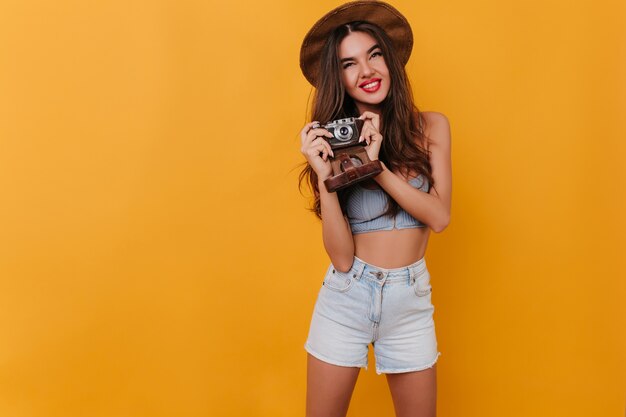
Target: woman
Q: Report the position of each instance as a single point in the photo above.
(377, 289)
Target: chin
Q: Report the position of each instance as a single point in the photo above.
(372, 102)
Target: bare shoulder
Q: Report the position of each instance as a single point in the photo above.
(434, 117)
(437, 128)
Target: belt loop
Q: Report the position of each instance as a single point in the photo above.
(411, 276)
(359, 270)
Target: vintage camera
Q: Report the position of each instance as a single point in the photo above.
(346, 132)
(351, 163)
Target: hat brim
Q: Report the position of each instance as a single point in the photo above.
(381, 14)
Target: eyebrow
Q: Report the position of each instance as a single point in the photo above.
(368, 51)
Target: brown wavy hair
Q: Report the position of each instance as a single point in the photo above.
(404, 146)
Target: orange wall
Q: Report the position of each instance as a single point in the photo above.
(156, 257)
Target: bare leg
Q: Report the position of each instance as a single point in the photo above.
(329, 388)
(414, 393)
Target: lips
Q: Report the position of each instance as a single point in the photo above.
(371, 86)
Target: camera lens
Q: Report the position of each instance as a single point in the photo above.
(343, 132)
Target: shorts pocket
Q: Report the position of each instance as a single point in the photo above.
(338, 281)
(422, 285)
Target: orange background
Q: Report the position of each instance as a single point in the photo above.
(156, 257)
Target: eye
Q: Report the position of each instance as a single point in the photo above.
(346, 65)
(377, 53)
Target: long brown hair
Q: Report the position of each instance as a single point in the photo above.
(403, 147)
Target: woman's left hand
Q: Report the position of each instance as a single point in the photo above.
(370, 133)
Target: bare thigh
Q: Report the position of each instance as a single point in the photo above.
(414, 393)
(329, 388)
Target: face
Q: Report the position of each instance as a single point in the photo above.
(363, 70)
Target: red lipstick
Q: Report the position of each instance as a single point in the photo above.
(372, 89)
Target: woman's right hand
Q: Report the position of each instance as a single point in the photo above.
(316, 149)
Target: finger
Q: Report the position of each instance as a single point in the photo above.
(365, 132)
(376, 138)
(307, 128)
(365, 137)
(321, 131)
(362, 135)
(329, 148)
(318, 141)
(371, 117)
(319, 151)
(372, 136)
(368, 126)
(324, 153)
(314, 133)
(311, 138)
(322, 142)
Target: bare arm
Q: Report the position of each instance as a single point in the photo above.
(431, 208)
(336, 232)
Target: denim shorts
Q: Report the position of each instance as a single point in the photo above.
(389, 308)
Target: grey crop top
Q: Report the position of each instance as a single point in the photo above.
(365, 209)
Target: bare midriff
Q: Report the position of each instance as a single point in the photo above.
(392, 248)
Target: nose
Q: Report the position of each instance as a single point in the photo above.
(366, 70)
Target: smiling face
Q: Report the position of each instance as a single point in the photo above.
(363, 71)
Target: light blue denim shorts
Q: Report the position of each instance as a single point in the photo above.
(389, 308)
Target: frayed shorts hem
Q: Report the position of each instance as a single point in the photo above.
(398, 371)
(332, 361)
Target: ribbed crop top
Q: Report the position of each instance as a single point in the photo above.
(365, 209)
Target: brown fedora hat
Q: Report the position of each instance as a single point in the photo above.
(381, 14)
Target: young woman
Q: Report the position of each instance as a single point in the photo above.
(377, 289)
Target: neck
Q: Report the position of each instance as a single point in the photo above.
(374, 108)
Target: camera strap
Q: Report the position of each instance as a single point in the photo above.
(348, 167)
